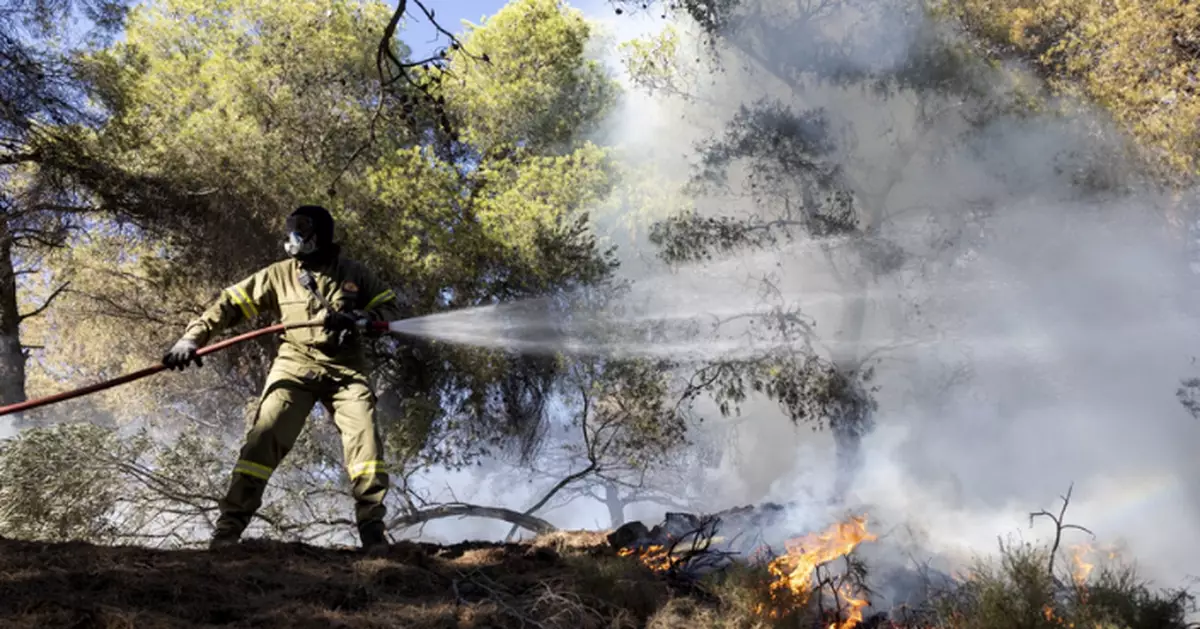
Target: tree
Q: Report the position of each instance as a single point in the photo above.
(627, 421)
(39, 103)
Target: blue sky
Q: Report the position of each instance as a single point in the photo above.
(424, 40)
(421, 36)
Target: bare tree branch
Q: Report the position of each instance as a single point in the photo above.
(45, 304)
(1059, 527)
(593, 465)
(385, 44)
(464, 510)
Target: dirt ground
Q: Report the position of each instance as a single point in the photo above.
(563, 580)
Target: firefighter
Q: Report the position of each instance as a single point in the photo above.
(314, 364)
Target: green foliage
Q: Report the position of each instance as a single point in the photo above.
(1017, 590)
(653, 62)
(796, 173)
(1015, 593)
(59, 483)
(713, 16)
(537, 89)
(84, 482)
(37, 85)
(791, 161)
(266, 101)
(40, 103)
(1136, 59)
(629, 420)
(45, 18)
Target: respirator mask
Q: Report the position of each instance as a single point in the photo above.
(302, 238)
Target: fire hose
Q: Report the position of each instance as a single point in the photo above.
(374, 326)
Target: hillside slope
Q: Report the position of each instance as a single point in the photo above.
(562, 580)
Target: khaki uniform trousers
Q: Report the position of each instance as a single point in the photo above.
(292, 389)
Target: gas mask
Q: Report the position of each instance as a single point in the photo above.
(302, 238)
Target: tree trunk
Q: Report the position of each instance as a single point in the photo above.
(848, 430)
(616, 506)
(12, 358)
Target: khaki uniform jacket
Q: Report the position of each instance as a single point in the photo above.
(278, 292)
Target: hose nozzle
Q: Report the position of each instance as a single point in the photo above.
(378, 327)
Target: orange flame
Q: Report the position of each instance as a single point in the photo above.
(793, 571)
(1081, 569)
(1048, 612)
(854, 606)
(655, 557)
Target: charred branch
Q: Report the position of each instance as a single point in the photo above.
(1059, 525)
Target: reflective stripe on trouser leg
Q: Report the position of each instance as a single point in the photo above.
(354, 414)
(250, 468)
(284, 406)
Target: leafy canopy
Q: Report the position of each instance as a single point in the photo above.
(1138, 59)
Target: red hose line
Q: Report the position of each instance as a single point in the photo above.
(148, 371)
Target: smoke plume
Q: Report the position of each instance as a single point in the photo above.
(1025, 346)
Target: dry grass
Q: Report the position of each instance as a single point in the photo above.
(566, 580)
(569, 580)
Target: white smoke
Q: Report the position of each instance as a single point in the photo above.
(1071, 318)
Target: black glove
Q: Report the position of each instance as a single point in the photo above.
(340, 322)
(180, 354)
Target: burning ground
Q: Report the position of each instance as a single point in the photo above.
(687, 571)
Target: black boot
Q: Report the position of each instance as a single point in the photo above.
(374, 538)
(224, 538)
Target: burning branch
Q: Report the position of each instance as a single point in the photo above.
(1059, 525)
(793, 572)
(681, 557)
(842, 588)
(699, 553)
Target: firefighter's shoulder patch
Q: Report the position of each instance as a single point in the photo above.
(349, 287)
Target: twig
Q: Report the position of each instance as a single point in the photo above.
(45, 304)
(1059, 526)
(593, 465)
(499, 597)
(458, 599)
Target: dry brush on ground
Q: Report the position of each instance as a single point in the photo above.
(683, 572)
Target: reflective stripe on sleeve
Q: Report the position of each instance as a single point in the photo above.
(243, 301)
(381, 298)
